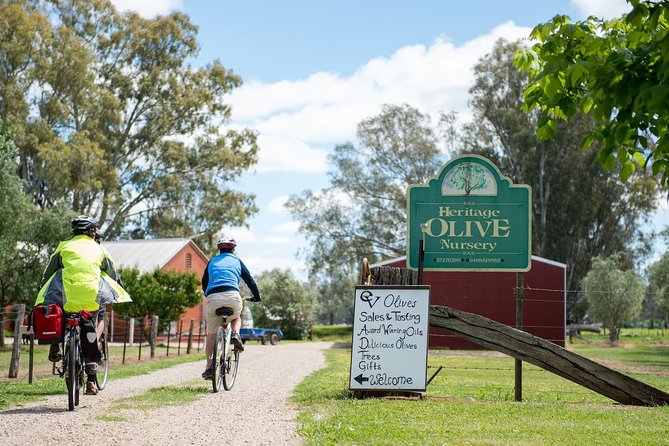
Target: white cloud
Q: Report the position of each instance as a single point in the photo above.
(148, 9)
(290, 154)
(276, 205)
(606, 9)
(292, 117)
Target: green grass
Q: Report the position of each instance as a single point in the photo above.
(471, 401)
(155, 398)
(19, 391)
(332, 333)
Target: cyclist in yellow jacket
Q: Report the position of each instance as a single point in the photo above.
(81, 276)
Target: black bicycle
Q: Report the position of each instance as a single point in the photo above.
(73, 366)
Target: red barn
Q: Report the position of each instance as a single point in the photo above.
(493, 295)
(178, 254)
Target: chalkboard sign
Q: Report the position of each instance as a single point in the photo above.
(390, 338)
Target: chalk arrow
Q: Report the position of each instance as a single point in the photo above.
(361, 379)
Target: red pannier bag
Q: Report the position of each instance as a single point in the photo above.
(47, 321)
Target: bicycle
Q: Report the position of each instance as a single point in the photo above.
(72, 366)
(225, 367)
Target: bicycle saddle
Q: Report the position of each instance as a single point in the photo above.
(224, 311)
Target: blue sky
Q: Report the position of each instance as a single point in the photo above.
(313, 69)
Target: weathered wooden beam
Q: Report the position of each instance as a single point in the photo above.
(548, 356)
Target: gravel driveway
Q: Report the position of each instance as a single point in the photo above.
(254, 412)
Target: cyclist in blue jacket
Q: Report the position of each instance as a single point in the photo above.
(220, 283)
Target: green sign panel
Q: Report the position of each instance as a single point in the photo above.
(470, 218)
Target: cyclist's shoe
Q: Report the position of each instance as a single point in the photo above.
(208, 373)
(91, 388)
(54, 353)
(237, 342)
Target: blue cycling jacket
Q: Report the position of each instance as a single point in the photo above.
(223, 273)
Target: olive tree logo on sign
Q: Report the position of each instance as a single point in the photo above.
(470, 217)
(469, 179)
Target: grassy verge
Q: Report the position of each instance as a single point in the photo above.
(471, 402)
(19, 391)
(154, 398)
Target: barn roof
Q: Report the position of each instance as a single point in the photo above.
(147, 255)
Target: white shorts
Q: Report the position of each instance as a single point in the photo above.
(231, 299)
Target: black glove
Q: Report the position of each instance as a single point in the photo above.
(254, 298)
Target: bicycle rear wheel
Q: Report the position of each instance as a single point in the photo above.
(231, 364)
(71, 376)
(103, 370)
(216, 364)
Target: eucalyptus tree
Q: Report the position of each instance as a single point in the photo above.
(112, 119)
(579, 209)
(363, 211)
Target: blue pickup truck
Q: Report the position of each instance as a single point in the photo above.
(264, 335)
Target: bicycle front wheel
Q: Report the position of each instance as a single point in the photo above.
(103, 369)
(71, 376)
(231, 364)
(216, 364)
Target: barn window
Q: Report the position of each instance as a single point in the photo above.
(188, 262)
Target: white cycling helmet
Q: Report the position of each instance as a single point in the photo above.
(226, 242)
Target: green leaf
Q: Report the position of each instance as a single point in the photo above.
(578, 72)
(546, 128)
(606, 159)
(627, 170)
(587, 141)
(586, 104)
(638, 156)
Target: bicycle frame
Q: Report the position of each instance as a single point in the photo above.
(225, 359)
(72, 365)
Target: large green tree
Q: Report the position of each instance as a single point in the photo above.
(615, 294)
(112, 119)
(615, 69)
(26, 234)
(287, 304)
(579, 210)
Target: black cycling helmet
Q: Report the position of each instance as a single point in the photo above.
(83, 224)
(226, 242)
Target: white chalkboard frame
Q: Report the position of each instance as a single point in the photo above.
(389, 344)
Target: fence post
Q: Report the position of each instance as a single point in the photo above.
(169, 332)
(125, 338)
(190, 336)
(199, 336)
(141, 339)
(154, 335)
(30, 361)
(181, 327)
(20, 310)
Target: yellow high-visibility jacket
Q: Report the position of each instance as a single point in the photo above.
(81, 276)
